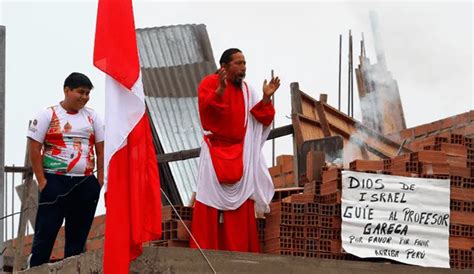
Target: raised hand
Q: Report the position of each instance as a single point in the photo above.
(270, 88)
(222, 81)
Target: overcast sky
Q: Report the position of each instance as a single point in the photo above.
(428, 46)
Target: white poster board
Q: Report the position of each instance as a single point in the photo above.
(400, 218)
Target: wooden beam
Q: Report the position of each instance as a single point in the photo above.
(18, 169)
(194, 153)
(295, 98)
(322, 119)
(31, 200)
(376, 143)
(280, 132)
(179, 155)
(323, 98)
(334, 128)
(298, 136)
(369, 132)
(27, 190)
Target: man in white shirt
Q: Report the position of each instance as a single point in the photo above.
(62, 142)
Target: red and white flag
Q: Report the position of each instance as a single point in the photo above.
(133, 199)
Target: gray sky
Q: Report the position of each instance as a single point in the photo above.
(428, 46)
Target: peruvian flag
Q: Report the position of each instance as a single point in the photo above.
(133, 199)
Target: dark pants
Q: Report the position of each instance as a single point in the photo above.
(77, 207)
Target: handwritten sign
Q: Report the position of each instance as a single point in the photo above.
(400, 218)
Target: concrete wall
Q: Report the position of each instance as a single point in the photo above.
(185, 260)
(95, 241)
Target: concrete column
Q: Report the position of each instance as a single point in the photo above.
(2, 135)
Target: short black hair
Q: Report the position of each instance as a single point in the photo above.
(226, 56)
(76, 80)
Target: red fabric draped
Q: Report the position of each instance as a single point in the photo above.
(133, 198)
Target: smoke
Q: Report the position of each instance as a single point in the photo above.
(429, 53)
(381, 106)
(355, 148)
(369, 110)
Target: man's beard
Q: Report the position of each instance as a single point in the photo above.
(237, 81)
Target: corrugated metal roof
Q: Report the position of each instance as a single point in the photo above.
(176, 81)
(177, 124)
(174, 60)
(174, 45)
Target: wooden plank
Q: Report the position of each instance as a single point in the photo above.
(340, 124)
(18, 169)
(178, 156)
(295, 98)
(323, 98)
(360, 79)
(31, 200)
(377, 141)
(308, 109)
(322, 119)
(364, 152)
(280, 132)
(343, 132)
(309, 129)
(18, 263)
(298, 136)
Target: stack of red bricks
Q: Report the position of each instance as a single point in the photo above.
(283, 173)
(461, 241)
(278, 234)
(174, 233)
(448, 156)
(311, 179)
(309, 224)
(10, 249)
(283, 178)
(306, 225)
(95, 241)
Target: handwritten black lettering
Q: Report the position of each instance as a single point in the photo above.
(353, 238)
(379, 240)
(359, 212)
(388, 197)
(407, 186)
(423, 243)
(404, 241)
(413, 254)
(393, 216)
(353, 182)
(387, 252)
(379, 184)
(426, 218)
(385, 229)
(365, 183)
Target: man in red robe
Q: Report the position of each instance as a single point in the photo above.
(233, 180)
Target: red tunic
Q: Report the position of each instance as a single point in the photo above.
(224, 116)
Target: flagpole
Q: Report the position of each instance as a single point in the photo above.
(189, 232)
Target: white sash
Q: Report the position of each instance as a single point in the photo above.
(255, 183)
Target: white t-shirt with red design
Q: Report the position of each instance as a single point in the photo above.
(68, 139)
